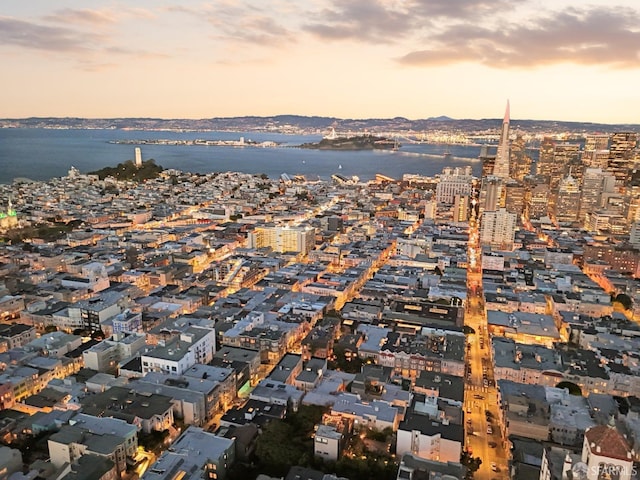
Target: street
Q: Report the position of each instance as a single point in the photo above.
(482, 434)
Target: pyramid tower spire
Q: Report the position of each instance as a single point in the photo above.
(501, 166)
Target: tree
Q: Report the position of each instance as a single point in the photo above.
(472, 464)
(131, 256)
(572, 387)
(98, 335)
(288, 442)
(624, 300)
(275, 450)
(467, 330)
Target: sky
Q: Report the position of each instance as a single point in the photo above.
(569, 60)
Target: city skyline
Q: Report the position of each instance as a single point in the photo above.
(556, 60)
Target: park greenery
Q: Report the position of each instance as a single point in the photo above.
(284, 443)
(129, 171)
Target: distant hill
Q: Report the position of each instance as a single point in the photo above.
(314, 124)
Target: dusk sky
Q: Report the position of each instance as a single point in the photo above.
(553, 59)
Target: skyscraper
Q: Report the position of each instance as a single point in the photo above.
(568, 200)
(544, 165)
(596, 151)
(514, 197)
(491, 194)
(520, 162)
(537, 201)
(594, 183)
(501, 167)
(621, 156)
(565, 156)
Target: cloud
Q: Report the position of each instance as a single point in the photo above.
(462, 9)
(35, 36)
(366, 20)
(241, 24)
(595, 36)
(82, 16)
(88, 49)
(384, 21)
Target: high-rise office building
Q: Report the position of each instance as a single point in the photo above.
(488, 161)
(461, 208)
(498, 229)
(596, 151)
(537, 201)
(491, 194)
(633, 195)
(520, 161)
(501, 167)
(544, 165)
(594, 183)
(514, 197)
(565, 157)
(568, 200)
(622, 153)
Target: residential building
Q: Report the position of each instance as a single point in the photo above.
(413, 467)
(282, 239)
(71, 442)
(428, 437)
(16, 334)
(498, 229)
(194, 345)
(195, 451)
(148, 411)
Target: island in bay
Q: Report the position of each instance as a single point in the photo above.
(359, 142)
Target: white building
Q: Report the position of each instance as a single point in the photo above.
(498, 229)
(327, 443)
(376, 414)
(424, 435)
(607, 454)
(197, 451)
(456, 181)
(106, 355)
(194, 345)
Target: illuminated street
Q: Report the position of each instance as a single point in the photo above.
(483, 438)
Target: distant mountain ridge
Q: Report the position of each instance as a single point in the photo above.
(313, 124)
